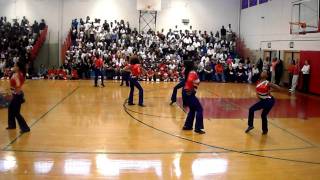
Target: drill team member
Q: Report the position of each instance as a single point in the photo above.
(266, 102)
(189, 93)
(16, 83)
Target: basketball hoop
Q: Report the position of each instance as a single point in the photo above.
(300, 28)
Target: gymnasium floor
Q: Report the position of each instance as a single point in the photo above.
(82, 132)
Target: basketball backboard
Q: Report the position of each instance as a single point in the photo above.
(305, 17)
(148, 5)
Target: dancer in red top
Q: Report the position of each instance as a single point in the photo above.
(189, 93)
(16, 83)
(136, 71)
(266, 102)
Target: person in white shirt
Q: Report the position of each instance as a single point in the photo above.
(306, 75)
(2, 66)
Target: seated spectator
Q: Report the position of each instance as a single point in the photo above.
(74, 74)
(42, 72)
(2, 67)
(52, 73)
(162, 53)
(230, 74)
(241, 74)
(62, 75)
(16, 43)
(255, 74)
(208, 71)
(219, 72)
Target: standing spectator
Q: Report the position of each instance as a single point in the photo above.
(306, 75)
(42, 25)
(295, 76)
(272, 69)
(223, 33)
(229, 32)
(290, 72)
(278, 71)
(98, 71)
(259, 65)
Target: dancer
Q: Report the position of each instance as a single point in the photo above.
(266, 102)
(136, 71)
(16, 83)
(189, 93)
(175, 90)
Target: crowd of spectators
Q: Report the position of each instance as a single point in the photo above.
(17, 40)
(162, 53)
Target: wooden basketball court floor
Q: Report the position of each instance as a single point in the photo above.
(82, 132)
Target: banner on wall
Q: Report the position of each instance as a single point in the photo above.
(262, 1)
(253, 3)
(245, 4)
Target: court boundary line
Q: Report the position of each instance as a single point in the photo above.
(213, 146)
(40, 118)
(151, 153)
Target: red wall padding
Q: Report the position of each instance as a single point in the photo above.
(314, 60)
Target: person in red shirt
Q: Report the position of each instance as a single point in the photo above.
(125, 74)
(150, 75)
(219, 72)
(136, 71)
(189, 93)
(74, 74)
(16, 83)
(62, 74)
(266, 102)
(98, 70)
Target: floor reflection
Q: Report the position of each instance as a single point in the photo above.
(110, 167)
(77, 167)
(43, 167)
(206, 166)
(8, 163)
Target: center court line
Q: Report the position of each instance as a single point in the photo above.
(41, 117)
(142, 153)
(115, 153)
(217, 147)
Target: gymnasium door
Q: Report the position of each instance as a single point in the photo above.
(269, 54)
